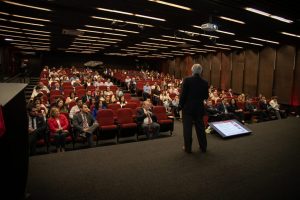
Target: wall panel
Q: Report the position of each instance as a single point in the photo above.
(237, 72)
(283, 77)
(225, 71)
(206, 68)
(251, 70)
(296, 86)
(216, 69)
(266, 71)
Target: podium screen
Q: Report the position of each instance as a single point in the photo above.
(229, 128)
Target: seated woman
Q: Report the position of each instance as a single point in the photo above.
(62, 107)
(70, 98)
(237, 112)
(58, 126)
(122, 101)
(98, 106)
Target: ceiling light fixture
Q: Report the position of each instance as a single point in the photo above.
(232, 20)
(227, 45)
(113, 29)
(14, 36)
(159, 44)
(27, 6)
(3, 13)
(131, 14)
(290, 34)
(225, 32)
(241, 41)
(171, 4)
(25, 17)
(268, 15)
(121, 21)
(217, 47)
(259, 39)
(178, 38)
(106, 33)
(173, 41)
(38, 31)
(20, 22)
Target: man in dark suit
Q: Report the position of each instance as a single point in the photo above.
(36, 129)
(147, 120)
(84, 124)
(194, 91)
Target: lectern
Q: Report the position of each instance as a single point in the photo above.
(14, 141)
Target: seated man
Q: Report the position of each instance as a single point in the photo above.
(84, 124)
(147, 120)
(36, 129)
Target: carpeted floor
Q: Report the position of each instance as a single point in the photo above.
(263, 165)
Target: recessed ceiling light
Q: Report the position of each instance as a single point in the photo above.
(33, 18)
(180, 38)
(113, 29)
(268, 15)
(232, 20)
(106, 33)
(20, 22)
(245, 42)
(27, 6)
(217, 47)
(227, 45)
(171, 4)
(264, 40)
(291, 34)
(121, 21)
(225, 32)
(131, 14)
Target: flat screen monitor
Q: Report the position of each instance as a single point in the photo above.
(229, 128)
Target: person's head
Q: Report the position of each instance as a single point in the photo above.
(85, 108)
(54, 112)
(89, 93)
(122, 99)
(72, 95)
(197, 69)
(209, 102)
(33, 111)
(146, 105)
(232, 101)
(60, 103)
(107, 98)
(79, 102)
(108, 89)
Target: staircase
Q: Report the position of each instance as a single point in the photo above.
(29, 88)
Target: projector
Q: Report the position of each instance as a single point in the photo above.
(209, 27)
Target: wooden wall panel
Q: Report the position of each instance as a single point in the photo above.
(237, 72)
(216, 69)
(283, 77)
(225, 71)
(206, 68)
(296, 86)
(266, 72)
(251, 70)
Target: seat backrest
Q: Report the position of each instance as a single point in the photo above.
(127, 96)
(105, 117)
(125, 115)
(114, 106)
(160, 112)
(131, 105)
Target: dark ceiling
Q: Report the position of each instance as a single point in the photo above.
(149, 37)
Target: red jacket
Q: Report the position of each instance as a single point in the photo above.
(53, 126)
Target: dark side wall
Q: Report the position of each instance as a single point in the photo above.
(78, 60)
(270, 71)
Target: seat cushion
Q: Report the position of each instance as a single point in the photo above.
(165, 121)
(109, 127)
(129, 125)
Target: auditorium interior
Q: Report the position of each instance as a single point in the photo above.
(76, 75)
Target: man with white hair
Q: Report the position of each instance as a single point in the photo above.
(194, 92)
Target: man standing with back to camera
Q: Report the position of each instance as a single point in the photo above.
(194, 91)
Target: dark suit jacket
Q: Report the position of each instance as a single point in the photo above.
(140, 116)
(194, 91)
(78, 120)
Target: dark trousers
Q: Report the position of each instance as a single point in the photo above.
(188, 120)
(39, 133)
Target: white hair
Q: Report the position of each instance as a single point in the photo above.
(197, 69)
